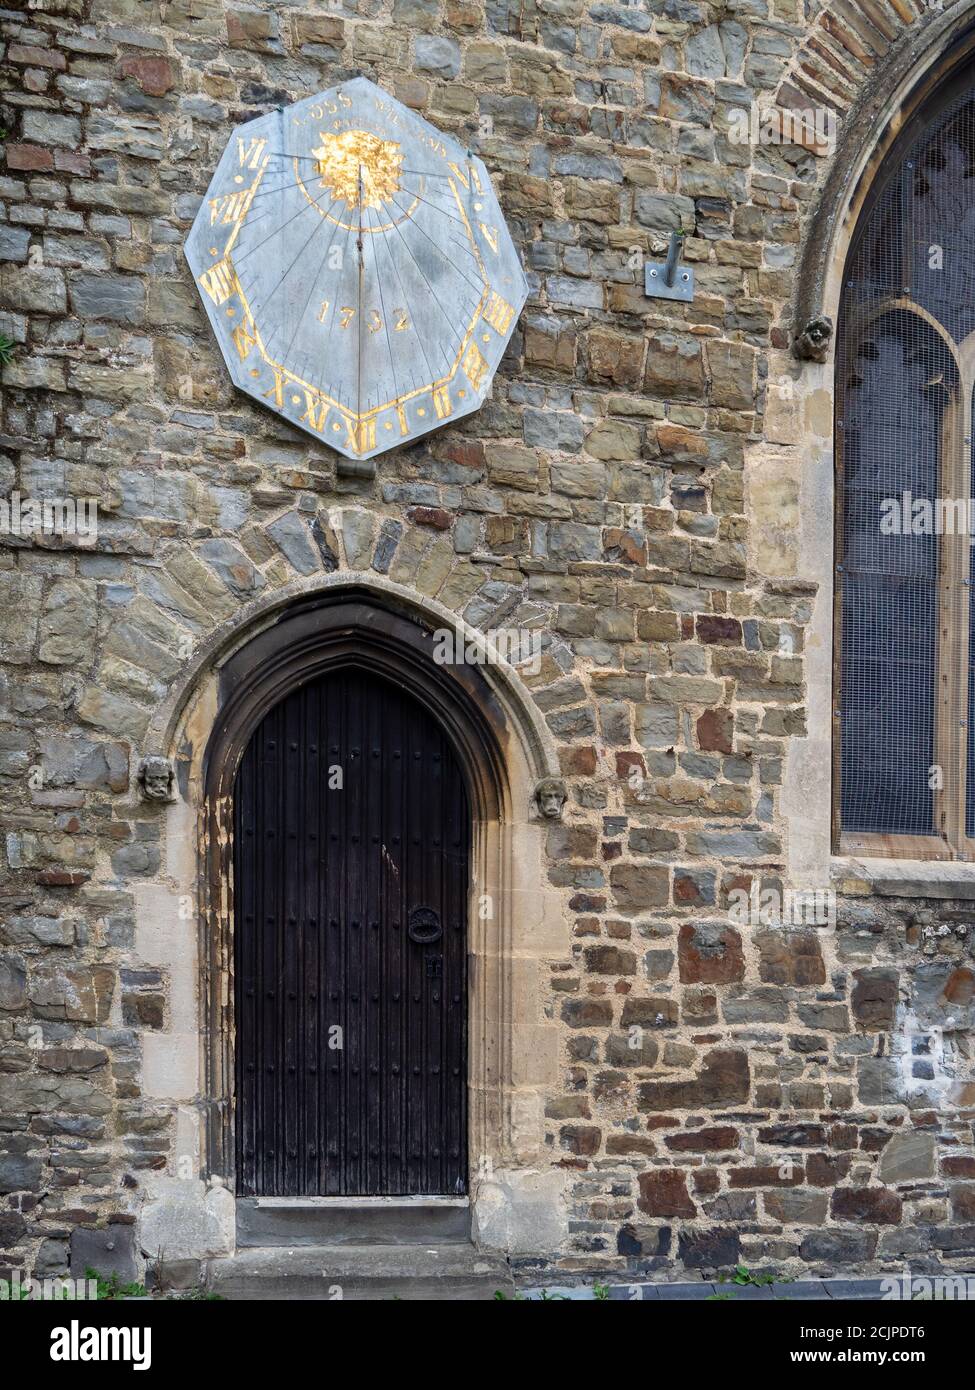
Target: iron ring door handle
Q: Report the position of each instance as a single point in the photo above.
(424, 926)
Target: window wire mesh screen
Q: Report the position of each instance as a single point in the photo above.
(970, 700)
(904, 432)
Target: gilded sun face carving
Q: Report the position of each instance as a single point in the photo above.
(358, 160)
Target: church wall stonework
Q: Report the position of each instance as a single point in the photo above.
(636, 490)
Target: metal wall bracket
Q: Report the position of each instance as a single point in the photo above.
(672, 279)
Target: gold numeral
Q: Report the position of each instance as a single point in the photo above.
(249, 152)
(244, 339)
(375, 322)
(490, 235)
(348, 314)
(362, 437)
(315, 404)
(277, 390)
(402, 320)
(220, 282)
(323, 311)
(230, 207)
(474, 365)
(441, 402)
(401, 417)
(498, 313)
(467, 178)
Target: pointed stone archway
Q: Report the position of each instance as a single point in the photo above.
(515, 920)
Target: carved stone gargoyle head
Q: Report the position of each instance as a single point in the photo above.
(550, 797)
(812, 344)
(157, 779)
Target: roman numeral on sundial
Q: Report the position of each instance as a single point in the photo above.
(277, 390)
(498, 313)
(249, 151)
(316, 411)
(228, 208)
(467, 177)
(220, 282)
(362, 437)
(474, 365)
(244, 336)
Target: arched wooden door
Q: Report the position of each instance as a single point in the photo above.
(351, 874)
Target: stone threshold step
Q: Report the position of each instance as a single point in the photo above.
(328, 1221)
(441, 1272)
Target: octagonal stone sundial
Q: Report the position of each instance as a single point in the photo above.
(356, 269)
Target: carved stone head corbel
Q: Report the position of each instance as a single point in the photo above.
(157, 779)
(812, 344)
(550, 797)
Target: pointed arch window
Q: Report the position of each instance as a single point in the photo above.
(904, 682)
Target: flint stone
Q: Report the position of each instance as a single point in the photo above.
(838, 1247)
(943, 990)
(109, 1251)
(233, 567)
(71, 1059)
(113, 713)
(51, 1258)
(13, 983)
(437, 55)
(874, 1205)
(907, 1157)
(40, 931)
(709, 954)
(20, 602)
(610, 960)
(663, 1192)
(20, 1173)
(621, 1053)
(723, 1080)
(762, 1005)
(718, 1248)
(291, 534)
(14, 242)
(794, 1206)
(33, 291)
(644, 1241)
(636, 887)
(790, 958)
(32, 1092)
(82, 763)
(874, 999)
(121, 298)
(79, 995)
(649, 1013)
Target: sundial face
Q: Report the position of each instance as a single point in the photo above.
(356, 269)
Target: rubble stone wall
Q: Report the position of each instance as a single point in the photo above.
(784, 1096)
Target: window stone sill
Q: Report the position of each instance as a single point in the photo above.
(902, 878)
